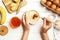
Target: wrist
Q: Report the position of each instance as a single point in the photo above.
(26, 30)
(43, 31)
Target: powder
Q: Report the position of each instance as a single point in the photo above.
(15, 21)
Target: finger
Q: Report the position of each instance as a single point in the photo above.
(42, 18)
(48, 20)
(24, 18)
(44, 21)
(50, 24)
(27, 20)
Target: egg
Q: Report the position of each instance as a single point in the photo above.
(58, 9)
(51, 0)
(49, 3)
(56, 1)
(53, 6)
(43, 1)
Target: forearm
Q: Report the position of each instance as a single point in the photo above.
(44, 36)
(25, 35)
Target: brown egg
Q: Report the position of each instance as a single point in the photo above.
(53, 6)
(43, 1)
(49, 3)
(56, 1)
(51, 0)
(58, 9)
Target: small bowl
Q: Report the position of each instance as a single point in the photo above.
(57, 25)
(53, 17)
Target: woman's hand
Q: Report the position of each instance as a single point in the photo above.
(46, 25)
(26, 28)
(25, 23)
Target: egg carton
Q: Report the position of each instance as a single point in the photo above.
(53, 5)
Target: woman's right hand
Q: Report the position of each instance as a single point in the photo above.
(47, 24)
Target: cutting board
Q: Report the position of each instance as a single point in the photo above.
(8, 4)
